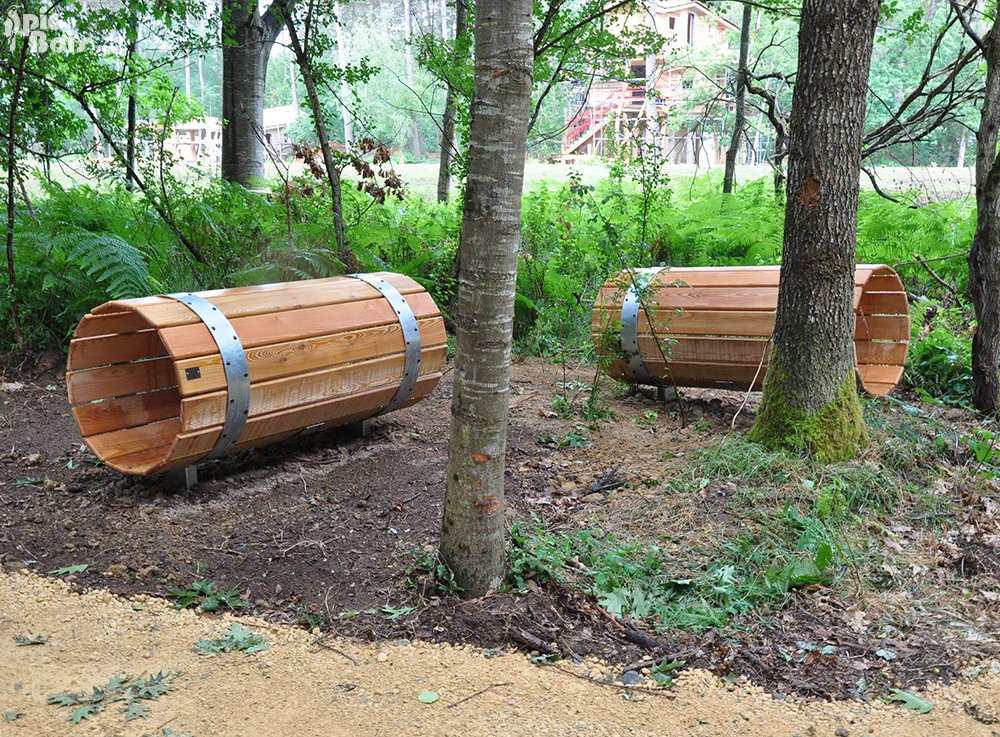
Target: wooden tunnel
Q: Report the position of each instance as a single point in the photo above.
(159, 383)
(719, 323)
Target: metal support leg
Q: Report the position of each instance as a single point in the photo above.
(666, 393)
(186, 478)
(359, 429)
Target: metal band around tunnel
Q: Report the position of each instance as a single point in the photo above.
(234, 362)
(411, 337)
(630, 323)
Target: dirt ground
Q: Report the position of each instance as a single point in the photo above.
(322, 531)
(307, 687)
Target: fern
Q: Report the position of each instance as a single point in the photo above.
(118, 267)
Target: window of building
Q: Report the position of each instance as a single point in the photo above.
(691, 21)
(638, 70)
(671, 21)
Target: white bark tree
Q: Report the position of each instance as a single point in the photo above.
(473, 531)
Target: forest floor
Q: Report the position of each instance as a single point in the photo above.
(332, 533)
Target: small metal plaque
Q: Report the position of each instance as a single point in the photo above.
(192, 373)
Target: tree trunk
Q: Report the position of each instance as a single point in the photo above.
(741, 102)
(130, 132)
(332, 172)
(247, 38)
(810, 396)
(450, 103)
(345, 89)
(472, 541)
(15, 99)
(984, 258)
(408, 48)
(201, 80)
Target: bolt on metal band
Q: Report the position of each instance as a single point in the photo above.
(234, 362)
(411, 337)
(630, 323)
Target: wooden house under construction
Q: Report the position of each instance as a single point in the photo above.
(643, 97)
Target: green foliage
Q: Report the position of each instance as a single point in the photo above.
(939, 365)
(129, 691)
(27, 640)
(206, 595)
(236, 638)
(69, 570)
(426, 571)
(635, 579)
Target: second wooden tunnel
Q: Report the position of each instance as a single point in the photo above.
(159, 383)
(719, 323)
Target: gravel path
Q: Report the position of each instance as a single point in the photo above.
(299, 688)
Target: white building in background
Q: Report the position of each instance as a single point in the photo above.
(200, 141)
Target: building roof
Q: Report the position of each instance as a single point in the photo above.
(669, 6)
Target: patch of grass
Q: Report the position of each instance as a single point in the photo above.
(639, 580)
(128, 691)
(427, 574)
(69, 570)
(27, 640)
(236, 638)
(206, 595)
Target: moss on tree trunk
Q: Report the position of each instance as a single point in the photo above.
(834, 432)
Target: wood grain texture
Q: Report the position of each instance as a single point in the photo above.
(205, 410)
(302, 356)
(148, 386)
(714, 324)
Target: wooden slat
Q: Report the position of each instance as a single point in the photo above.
(881, 374)
(109, 324)
(140, 462)
(109, 349)
(878, 390)
(884, 303)
(119, 380)
(189, 341)
(262, 430)
(881, 327)
(707, 350)
(726, 276)
(696, 322)
(707, 375)
(246, 301)
(205, 410)
(882, 353)
(113, 444)
(116, 414)
(303, 356)
(712, 298)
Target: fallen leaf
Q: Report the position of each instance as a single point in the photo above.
(429, 697)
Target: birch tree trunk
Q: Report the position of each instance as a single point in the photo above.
(247, 38)
(810, 397)
(448, 121)
(345, 88)
(408, 48)
(984, 258)
(11, 162)
(741, 102)
(472, 539)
